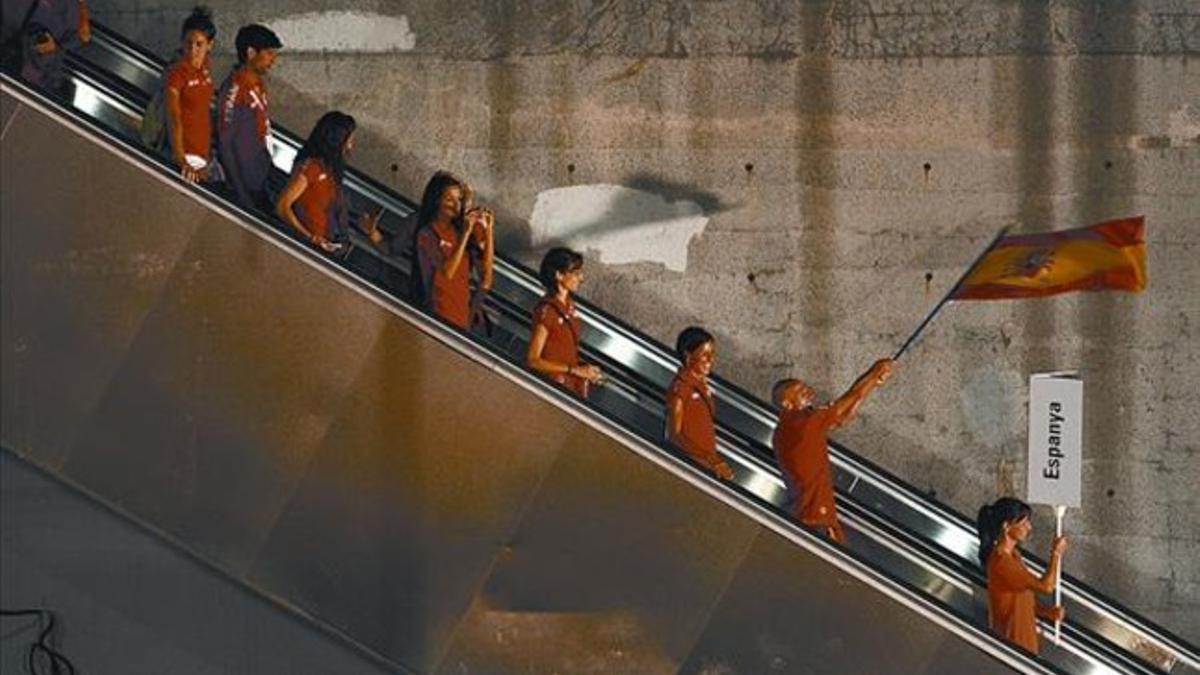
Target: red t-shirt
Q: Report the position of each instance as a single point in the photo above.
(195, 87)
(317, 198)
(448, 297)
(801, 444)
(697, 434)
(562, 339)
(1012, 605)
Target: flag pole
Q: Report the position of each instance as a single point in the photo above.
(946, 298)
(1059, 513)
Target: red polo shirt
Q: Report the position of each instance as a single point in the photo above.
(317, 198)
(195, 87)
(698, 437)
(561, 322)
(1012, 605)
(449, 297)
(801, 444)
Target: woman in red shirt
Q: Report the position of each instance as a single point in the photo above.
(188, 89)
(451, 242)
(554, 339)
(312, 201)
(690, 404)
(1012, 606)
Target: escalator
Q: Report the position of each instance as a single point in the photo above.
(901, 544)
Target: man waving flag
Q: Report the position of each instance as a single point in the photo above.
(1107, 256)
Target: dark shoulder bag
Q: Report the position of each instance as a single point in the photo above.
(12, 50)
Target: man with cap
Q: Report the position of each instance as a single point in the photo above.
(243, 118)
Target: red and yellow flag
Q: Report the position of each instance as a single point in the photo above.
(1107, 256)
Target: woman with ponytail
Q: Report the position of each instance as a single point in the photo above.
(1012, 606)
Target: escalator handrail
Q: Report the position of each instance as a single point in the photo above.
(732, 395)
(844, 559)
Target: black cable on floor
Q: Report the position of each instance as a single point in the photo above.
(59, 664)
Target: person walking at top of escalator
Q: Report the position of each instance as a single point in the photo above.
(187, 98)
(244, 117)
(801, 444)
(34, 37)
(452, 241)
(1012, 606)
(313, 201)
(554, 341)
(690, 404)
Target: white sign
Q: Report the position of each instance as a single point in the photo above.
(1055, 439)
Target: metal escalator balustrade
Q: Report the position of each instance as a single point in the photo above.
(41, 239)
(745, 423)
(615, 345)
(761, 478)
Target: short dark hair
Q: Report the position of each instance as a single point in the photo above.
(200, 19)
(257, 36)
(690, 339)
(558, 259)
(780, 387)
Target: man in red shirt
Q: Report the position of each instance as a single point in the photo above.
(801, 444)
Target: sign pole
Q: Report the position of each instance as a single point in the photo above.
(1059, 513)
(946, 298)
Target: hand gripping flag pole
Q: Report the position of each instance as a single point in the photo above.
(949, 295)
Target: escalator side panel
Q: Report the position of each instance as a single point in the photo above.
(331, 453)
(612, 548)
(74, 298)
(814, 621)
(414, 494)
(243, 362)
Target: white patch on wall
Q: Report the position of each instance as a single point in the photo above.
(342, 31)
(1183, 125)
(617, 224)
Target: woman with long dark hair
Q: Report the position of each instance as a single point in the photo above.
(554, 341)
(1012, 606)
(452, 241)
(312, 202)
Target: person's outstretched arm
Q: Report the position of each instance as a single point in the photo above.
(846, 406)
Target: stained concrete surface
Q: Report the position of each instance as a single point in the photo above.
(861, 153)
(128, 602)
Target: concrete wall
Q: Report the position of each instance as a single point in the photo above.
(815, 176)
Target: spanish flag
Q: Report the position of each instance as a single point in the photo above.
(1103, 257)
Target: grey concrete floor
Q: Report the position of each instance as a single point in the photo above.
(129, 602)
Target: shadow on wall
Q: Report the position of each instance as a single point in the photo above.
(646, 219)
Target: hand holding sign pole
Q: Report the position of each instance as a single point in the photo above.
(1055, 451)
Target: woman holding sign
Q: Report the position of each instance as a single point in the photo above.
(1012, 606)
